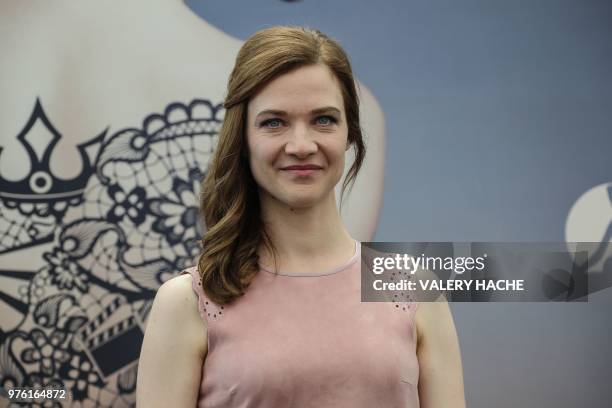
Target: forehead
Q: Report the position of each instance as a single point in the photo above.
(298, 91)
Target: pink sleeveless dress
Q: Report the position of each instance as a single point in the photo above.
(308, 341)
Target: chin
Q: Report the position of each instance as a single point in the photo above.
(301, 202)
(304, 200)
(298, 199)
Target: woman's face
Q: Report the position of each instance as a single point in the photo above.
(297, 119)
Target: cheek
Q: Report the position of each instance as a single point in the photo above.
(260, 158)
(260, 152)
(337, 150)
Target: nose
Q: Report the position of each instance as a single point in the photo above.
(300, 141)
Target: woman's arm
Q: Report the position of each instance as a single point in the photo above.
(173, 350)
(440, 370)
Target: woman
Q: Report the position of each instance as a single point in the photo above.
(272, 317)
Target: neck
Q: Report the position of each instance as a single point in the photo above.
(308, 233)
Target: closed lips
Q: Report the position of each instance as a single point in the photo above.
(306, 167)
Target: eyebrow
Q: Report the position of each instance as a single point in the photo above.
(326, 109)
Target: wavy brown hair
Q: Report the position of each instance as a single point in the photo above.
(229, 200)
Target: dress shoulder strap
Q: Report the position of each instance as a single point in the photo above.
(209, 310)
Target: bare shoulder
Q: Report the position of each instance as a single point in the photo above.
(438, 351)
(433, 315)
(178, 285)
(173, 349)
(177, 292)
(175, 310)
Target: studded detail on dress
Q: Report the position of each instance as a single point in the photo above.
(208, 309)
(403, 300)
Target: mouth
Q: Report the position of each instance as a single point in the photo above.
(302, 172)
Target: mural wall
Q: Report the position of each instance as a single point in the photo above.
(109, 127)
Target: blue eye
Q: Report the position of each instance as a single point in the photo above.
(328, 120)
(271, 123)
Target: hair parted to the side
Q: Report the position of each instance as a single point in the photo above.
(229, 201)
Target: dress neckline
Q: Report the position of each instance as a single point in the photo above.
(332, 271)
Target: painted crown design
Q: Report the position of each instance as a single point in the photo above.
(39, 137)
